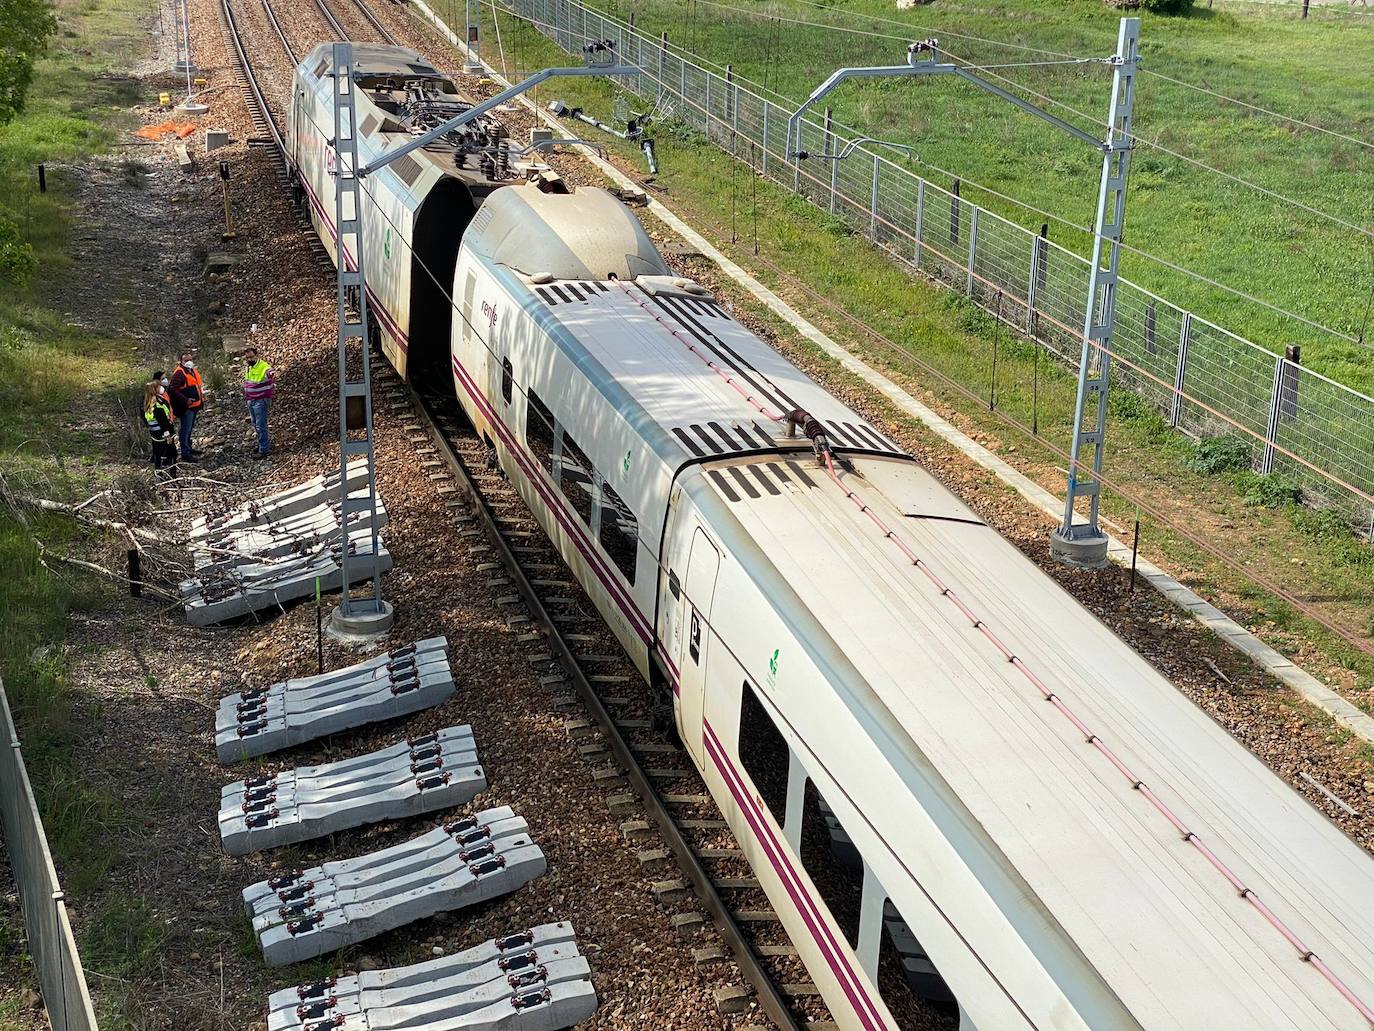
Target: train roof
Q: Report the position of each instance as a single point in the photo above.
(1167, 933)
(646, 340)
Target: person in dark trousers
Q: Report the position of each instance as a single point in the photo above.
(258, 383)
(157, 417)
(187, 392)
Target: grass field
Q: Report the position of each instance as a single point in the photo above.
(1315, 70)
(52, 371)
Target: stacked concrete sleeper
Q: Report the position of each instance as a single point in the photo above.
(414, 776)
(302, 915)
(396, 683)
(537, 974)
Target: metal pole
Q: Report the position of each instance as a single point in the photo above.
(473, 62)
(830, 149)
(764, 160)
(1033, 287)
(1271, 428)
(370, 615)
(1185, 338)
(972, 249)
(920, 221)
(1086, 544)
(873, 203)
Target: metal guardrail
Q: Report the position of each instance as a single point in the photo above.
(51, 943)
(1204, 380)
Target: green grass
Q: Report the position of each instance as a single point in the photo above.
(54, 376)
(1314, 70)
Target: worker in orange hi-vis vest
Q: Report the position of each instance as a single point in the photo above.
(258, 383)
(187, 392)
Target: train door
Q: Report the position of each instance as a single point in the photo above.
(703, 563)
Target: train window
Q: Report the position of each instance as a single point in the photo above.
(507, 379)
(764, 753)
(910, 985)
(539, 431)
(575, 478)
(619, 532)
(833, 862)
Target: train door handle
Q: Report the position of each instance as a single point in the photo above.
(694, 638)
(674, 584)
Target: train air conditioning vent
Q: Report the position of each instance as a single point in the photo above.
(859, 437)
(370, 124)
(407, 168)
(321, 68)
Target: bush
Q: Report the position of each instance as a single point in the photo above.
(1173, 7)
(1268, 491)
(1213, 455)
(16, 253)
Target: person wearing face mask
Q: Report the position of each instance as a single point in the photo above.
(187, 392)
(157, 418)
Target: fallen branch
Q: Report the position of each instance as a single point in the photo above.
(46, 505)
(44, 553)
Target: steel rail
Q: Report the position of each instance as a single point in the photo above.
(768, 996)
(251, 80)
(339, 31)
(376, 24)
(281, 35)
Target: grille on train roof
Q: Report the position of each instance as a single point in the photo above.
(568, 292)
(407, 168)
(709, 439)
(757, 481)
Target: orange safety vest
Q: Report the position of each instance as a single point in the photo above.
(193, 384)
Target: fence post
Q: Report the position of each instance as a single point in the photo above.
(1039, 245)
(1271, 429)
(662, 57)
(766, 105)
(873, 203)
(796, 159)
(707, 105)
(830, 150)
(1185, 338)
(972, 248)
(1150, 325)
(920, 221)
(1288, 387)
(733, 99)
(954, 212)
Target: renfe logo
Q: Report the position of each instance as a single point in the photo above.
(489, 310)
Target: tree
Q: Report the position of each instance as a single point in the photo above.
(25, 26)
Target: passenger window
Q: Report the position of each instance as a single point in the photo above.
(507, 379)
(539, 431)
(764, 753)
(575, 478)
(619, 532)
(908, 981)
(833, 861)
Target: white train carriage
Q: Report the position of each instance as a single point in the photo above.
(416, 208)
(1037, 823)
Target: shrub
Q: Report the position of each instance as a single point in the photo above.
(1226, 454)
(16, 253)
(1172, 7)
(1268, 491)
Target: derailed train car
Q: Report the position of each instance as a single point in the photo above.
(966, 799)
(417, 207)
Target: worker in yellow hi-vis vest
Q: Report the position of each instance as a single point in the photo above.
(258, 383)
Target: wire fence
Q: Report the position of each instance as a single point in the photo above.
(1203, 379)
(51, 945)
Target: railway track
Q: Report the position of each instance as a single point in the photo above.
(577, 658)
(623, 729)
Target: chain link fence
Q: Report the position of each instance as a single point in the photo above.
(1204, 380)
(51, 944)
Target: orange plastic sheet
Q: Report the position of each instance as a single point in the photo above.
(155, 132)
